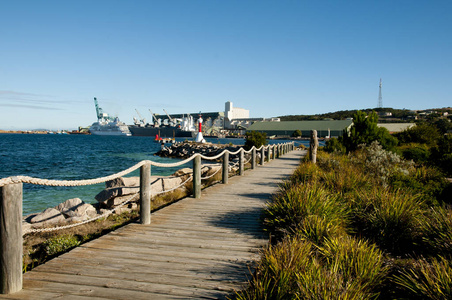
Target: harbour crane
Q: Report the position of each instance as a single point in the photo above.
(142, 120)
(101, 115)
(157, 121)
(171, 120)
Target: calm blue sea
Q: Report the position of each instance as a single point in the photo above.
(75, 157)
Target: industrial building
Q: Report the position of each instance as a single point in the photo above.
(326, 128)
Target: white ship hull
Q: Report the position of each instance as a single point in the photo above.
(115, 128)
(116, 133)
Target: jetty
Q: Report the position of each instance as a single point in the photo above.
(201, 247)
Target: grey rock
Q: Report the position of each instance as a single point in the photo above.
(48, 216)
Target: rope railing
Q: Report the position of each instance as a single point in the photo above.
(11, 201)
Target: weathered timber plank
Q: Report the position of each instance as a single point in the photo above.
(126, 286)
(143, 274)
(89, 291)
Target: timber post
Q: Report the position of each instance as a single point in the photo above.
(314, 143)
(197, 177)
(145, 194)
(11, 238)
(274, 152)
(253, 158)
(241, 162)
(262, 155)
(225, 167)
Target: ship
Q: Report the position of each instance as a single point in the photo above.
(107, 125)
(168, 128)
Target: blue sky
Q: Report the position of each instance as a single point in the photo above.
(271, 57)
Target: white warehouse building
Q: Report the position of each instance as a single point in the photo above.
(232, 113)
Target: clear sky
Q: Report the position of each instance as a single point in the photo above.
(271, 57)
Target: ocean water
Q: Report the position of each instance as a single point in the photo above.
(76, 157)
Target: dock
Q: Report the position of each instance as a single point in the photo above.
(202, 248)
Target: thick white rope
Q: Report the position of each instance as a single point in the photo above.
(39, 181)
(163, 165)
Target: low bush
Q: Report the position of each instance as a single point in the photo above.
(426, 280)
(60, 244)
(295, 203)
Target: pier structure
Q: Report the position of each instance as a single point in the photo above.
(200, 247)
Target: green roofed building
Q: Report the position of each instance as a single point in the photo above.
(325, 128)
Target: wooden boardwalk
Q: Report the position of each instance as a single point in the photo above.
(196, 248)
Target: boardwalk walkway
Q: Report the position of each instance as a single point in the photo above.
(195, 248)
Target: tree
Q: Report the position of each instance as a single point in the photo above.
(255, 138)
(296, 133)
(364, 130)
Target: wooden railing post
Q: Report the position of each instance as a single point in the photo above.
(262, 155)
(225, 167)
(253, 158)
(241, 162)
(314, 143)
(274, 152)
(267, 158)
(11, 238)
(145, 194)
(197, 177)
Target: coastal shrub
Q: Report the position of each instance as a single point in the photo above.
(423, 180)
(317, 229)
(305, 172)
(294, 269)
(357, 261)
(422, 133)
(277, 270)
(426, 280)
(382, 164)
(290, 206)
(364, 131)
(60, 244)
(340, 175)
(419, 153)
(437, 231)
(442, 154)
(333, 145)
(389, 218)
(255, 138)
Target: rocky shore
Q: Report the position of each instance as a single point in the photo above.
(187, 149)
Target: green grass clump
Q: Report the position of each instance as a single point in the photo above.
(295, 204)
(60, 244)
(389, 218)
(297, 269)
(427, 280)
(437, 231)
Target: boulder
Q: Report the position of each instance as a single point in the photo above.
(182, 172)
(123, 181)
(117, 201)
(82, 210)
(110, 193)
(170, 183)
(48, 216)
(69, 204)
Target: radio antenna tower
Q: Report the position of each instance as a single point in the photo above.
(380, 99)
